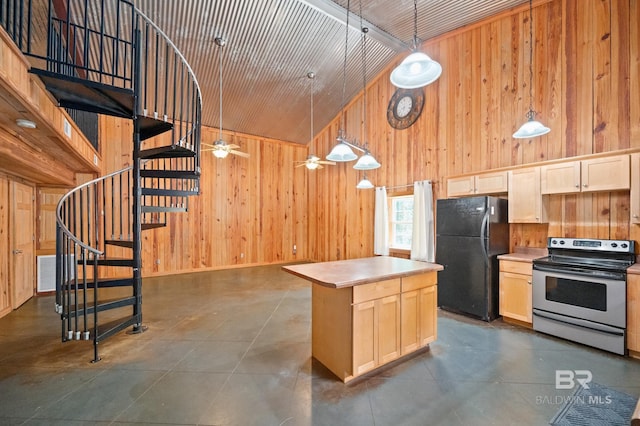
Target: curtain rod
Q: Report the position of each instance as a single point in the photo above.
(408, 184)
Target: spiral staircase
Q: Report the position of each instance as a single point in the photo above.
(107, 57)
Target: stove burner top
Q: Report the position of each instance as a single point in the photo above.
(601, 255)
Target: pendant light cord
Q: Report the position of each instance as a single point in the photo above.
(364, 78)
(221, 43)
(344, 69)
(415, 24)
(531, 112)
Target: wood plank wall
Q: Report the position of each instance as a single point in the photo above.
(585, 88)
(251, 211)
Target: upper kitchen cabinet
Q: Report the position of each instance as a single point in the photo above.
(634, 202)
(480, 184)
(596, 174)
(526, 204)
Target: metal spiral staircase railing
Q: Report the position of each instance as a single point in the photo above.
(105, 56)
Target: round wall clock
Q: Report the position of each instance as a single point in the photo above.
(405, 107)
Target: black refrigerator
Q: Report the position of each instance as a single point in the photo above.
(470, 234)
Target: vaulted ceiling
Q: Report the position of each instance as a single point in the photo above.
(273, 44)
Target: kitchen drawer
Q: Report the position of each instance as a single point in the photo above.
(524, 268)
(415, 282)
(378, 290)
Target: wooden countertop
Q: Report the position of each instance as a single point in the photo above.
(352, 272)
(524, 254)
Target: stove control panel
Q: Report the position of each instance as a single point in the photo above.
(619, 246)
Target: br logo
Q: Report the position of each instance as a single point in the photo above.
(565, 379)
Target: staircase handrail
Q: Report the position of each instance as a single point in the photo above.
(61, 203)
(172, 44)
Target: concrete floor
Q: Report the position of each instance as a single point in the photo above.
(233, 348)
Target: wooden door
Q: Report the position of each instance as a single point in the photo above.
(5, 291)
(21, 241)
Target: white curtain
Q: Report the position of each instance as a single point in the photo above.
(381, 223)
(422, 239)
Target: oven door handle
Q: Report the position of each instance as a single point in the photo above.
(579, 322)
(618, 276)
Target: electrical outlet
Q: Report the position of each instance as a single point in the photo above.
(157, 261)
(241, 255)
(295, 249)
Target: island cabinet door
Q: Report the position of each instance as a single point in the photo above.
(419, 318)
(428, 315)
(376, 333)
(365, 337)
(388, 328)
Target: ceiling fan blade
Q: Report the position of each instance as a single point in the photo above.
(241, 154)
(233, 146)
(207, 144)
(332, 163)
(303, 164)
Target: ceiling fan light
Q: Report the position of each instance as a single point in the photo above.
(220, 153)
(364, 184)
(311, 165)
(341, 152)
(531, 129)
(417, 70)
(366, 162)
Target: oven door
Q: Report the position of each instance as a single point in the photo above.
(586, 295)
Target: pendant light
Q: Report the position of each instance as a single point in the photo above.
(367, 161)
(364, 183)
(312, 162)
(342, 151)
(220, 153)
(418, 69)
(531, 128)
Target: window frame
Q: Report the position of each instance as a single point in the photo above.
(391, 196)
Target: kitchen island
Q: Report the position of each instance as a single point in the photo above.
(369, 312)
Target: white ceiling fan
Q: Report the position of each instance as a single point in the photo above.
(313, 162)
(220, 148)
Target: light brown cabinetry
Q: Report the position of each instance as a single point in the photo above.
(419, 314)
(515, 290)
(596, 174)
(526, 204)
(634, 207)
(480, 184)
(376, 325)
(633, 314)
(358, 329)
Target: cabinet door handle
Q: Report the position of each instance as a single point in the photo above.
(585, 185)
(635, 216)
(577, 185)
(529, 282)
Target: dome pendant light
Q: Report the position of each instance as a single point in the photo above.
(342, 152)
(531, 128)
(418, 69)
(364, 183)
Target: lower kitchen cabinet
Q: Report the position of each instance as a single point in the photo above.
(360, 328)
(376, 333)
(515, 291)
(419, 313)
(633, 314)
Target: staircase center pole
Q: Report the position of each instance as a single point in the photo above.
(137, 191)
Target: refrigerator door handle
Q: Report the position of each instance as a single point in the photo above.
(483, 236)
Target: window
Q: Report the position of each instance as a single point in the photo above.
(400, 221)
